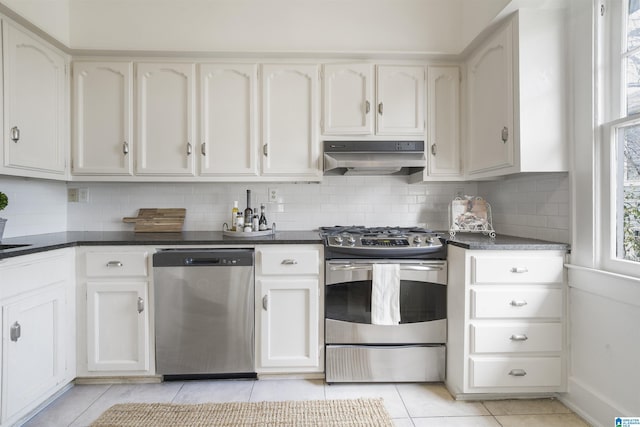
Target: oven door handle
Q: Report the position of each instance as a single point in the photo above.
(352, 267)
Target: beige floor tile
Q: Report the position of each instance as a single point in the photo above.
(433, 400)
(278, 390)
(526, 407)
(122, 393)
(483, 421)
(64, 410)
(548, 420)
(402, 422)
(215, 391)
(388, 392)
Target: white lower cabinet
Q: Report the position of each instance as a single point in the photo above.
(113, 312)
(506, 322)
(289, 333)
(117, 326)
(38, 330)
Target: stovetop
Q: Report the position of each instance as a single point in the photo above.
(382, 242)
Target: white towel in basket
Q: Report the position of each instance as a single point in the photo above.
(385, 294)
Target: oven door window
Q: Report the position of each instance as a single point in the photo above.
(419, 301)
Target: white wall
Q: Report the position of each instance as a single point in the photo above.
(274, 25)
(51, 16)
(604, 309)
(35, 206)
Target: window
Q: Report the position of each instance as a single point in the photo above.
(619, 53)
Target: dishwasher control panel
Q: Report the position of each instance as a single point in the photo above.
(203, 258)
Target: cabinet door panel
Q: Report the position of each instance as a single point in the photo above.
(228, 119)
(290, 120)
(491, 104)
(102, 118)
(289, 322)
(348, 99)
(444, 124)
(34, 104)
(165, 119)
(117, 326)
(400, 97)
(35, 358)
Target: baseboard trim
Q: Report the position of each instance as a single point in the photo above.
(592, 406)
(120, 380)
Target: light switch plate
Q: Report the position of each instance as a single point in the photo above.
(72, 195)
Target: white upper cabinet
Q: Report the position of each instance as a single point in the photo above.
(356, 103)
(348, 94)
(517, 109)
(490, 131)
(102, 128)
(400, 100)
(289, 121)
(165, 119)
(35, 94)
(443, 130)
(227, 119)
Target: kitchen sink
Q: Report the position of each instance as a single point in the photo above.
(4, 247)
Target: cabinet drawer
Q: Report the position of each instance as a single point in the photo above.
(514, 302)
(117, 264)
(516, 337)
(523, 269)
(516, 372)
(279, 262)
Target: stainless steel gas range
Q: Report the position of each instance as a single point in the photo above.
(385, 304)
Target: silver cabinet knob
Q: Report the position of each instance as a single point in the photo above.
(125, 147)
(15, 134)
(289, 262)
(517, 372)
(140, 305)
(518, 303)
(112, 264)
(189, 149)
(203, 149)
(15, 331)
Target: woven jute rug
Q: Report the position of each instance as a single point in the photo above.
(347, 413)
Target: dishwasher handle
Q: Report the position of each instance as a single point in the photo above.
(202, 261)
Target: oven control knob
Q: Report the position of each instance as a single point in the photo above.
(338, 239)
(351, 240)
(431, 240)
(417, 240)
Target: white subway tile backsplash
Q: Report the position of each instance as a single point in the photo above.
(529, 206)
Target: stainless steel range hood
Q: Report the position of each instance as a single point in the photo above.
(373, 157)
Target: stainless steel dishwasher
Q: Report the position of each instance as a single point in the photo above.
(204, 313)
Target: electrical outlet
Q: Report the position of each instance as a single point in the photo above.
(72, 195)
(83, 195)
(274, 195)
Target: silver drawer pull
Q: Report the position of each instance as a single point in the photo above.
(517, 372)
(15, 134)
(520, 303)
(518, 337)
(289, 262)
(140, 305)
(265, 302)
(519, 270)
(114, 264)
(15, 331)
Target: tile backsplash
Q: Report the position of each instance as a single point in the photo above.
(535, 206)
(340, 200)
(35, 206)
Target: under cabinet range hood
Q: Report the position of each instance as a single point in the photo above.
(373, 157)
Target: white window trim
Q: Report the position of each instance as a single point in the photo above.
(610, 78)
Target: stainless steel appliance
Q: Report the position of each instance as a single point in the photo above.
(374, 157)
(358, 350)
(204, 313)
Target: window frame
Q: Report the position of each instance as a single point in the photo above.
(611, 32)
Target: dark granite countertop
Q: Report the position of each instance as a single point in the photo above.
(46, 242)
(502, 242)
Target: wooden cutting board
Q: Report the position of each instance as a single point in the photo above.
(156, 220)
